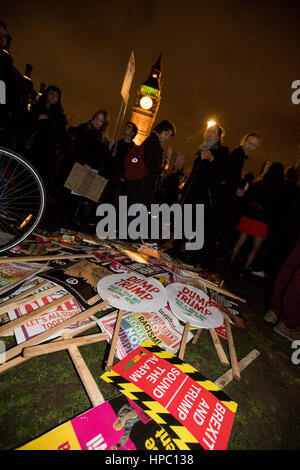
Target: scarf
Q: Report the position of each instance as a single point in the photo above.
(209, 145)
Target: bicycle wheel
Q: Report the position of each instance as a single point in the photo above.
(22, 199)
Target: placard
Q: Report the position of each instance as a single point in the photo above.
(85, 182)
(132, 292)
(161, 327)
(13, 274)
(117, 424)
(192, 305)
(80, 278)
(195, 412)
(48, 319)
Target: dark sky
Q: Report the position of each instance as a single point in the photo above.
(230, 60)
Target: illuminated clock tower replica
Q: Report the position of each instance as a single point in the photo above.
(147, 102)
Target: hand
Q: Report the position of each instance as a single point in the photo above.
(43, 116)
(210, 156)
(240, 192)
(111, 143)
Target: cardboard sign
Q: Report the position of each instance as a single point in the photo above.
(13, 274)
(79, 278)
(132, 292)
(96, 429)
(48, 319)
(193, 409)
(85, 182)
(161, 327)
(192, 305)
(128, 78)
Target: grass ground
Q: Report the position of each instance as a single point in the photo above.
(45, 391)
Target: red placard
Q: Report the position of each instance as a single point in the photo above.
(206, 417)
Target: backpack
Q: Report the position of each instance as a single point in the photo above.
(135, 168)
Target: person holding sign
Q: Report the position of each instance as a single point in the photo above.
(90, 149)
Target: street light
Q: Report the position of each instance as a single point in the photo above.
(211, 123)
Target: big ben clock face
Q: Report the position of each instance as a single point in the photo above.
(146, 102)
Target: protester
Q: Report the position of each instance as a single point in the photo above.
(283, 234)
(284, 305)
(89, 146)
(237, 157)
(13, 111)
(208, 184)
(260, 212)
(117, 182)
(143, 190)
(46, 134)
(170, 187)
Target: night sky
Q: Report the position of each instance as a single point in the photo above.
(233, 61)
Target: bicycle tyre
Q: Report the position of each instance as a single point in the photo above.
(15, 171)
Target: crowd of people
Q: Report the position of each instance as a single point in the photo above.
(237, 206)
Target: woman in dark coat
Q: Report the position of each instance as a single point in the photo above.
(47, 134)
(208, 184)
(262, 209)
(91, 146)
(91, 149)
(143, 190)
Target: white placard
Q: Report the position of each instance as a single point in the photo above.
(192, 305)
(132, 292)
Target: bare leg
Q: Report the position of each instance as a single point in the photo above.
(242, 238)
(257, 243)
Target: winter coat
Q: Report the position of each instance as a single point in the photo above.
(144, 190)
(208, 182)
(91, 149)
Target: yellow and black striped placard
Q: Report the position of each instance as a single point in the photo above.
(181, 436)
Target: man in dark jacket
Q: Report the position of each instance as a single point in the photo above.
(208, 184)
(238, 156)
(13, 104)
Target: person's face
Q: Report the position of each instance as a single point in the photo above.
(52, 97)
(165, 135)
(250, 144)
(118, 424)
(98, 121)
(128, 131)
(3, 37)
(212, 133)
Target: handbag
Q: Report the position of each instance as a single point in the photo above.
(135, 168)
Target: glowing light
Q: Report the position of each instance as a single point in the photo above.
(136, 257)
(25, 222)
(146, 102)
(211, 123)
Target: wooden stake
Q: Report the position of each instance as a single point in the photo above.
(94, 299)
(53, 347)
(197, 334)
(17, 360)
(21, 259)
(20, 360)
(26, 293)
(55, 329)
(25, 300)
(183, 341)
(226, 378)
(232, 351)
(219, 348)
(12, 325)
(85, 375)
(114, 340)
